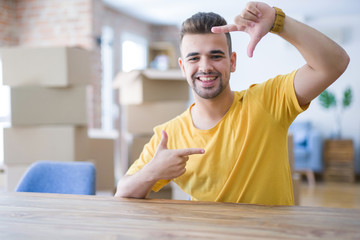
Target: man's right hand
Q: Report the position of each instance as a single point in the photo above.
(170, 163)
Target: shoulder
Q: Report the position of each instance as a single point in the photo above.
(276, 81)
(283, 82)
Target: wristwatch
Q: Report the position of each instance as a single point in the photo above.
(278, 25)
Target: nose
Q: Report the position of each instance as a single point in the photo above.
(205, 65)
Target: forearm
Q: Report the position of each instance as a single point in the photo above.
(320, 52)
(135, 186)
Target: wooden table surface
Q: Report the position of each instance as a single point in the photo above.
(56, 216)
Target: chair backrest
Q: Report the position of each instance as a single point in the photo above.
(59, 177)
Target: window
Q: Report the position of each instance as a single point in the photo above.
(134, 52)
(107, 91)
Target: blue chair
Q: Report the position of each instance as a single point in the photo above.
(59, 177)
(307, 149)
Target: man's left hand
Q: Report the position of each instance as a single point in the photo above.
(256, 20)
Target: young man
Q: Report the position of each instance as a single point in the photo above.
(232, 146)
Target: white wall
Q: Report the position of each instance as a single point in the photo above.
(275, 56)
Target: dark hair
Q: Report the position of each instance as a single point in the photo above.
(202, 22)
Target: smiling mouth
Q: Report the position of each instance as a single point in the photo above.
(207, 81)
(206, 78)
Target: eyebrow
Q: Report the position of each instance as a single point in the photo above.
(211, 52)
(217, 52)
(192, 54)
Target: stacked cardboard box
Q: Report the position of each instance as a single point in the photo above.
(102, 153)
(48, 107)
(147, 98)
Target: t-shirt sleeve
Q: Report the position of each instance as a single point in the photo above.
(146, 155)
(279, 98)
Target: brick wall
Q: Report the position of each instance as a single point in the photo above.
(7, 23)
(54, 23)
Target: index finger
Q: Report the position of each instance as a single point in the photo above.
(241, 25)
(227, 28)
(189, 151)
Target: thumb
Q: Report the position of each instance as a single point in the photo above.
(252, 44)
(163, 141)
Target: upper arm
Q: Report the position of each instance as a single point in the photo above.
(308, 84)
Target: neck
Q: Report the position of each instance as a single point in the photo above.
(206, 113)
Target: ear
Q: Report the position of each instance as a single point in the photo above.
(233, 62)
(181, 64)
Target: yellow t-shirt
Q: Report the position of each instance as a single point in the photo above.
(246, 157)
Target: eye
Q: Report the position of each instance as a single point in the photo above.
(216, 57)
(193, 59)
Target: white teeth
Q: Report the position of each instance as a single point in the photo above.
(207, 78)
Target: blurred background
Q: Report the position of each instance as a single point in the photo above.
(125, 35)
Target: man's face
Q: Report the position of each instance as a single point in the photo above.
(206, 63)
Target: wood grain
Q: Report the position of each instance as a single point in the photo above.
(56, 216)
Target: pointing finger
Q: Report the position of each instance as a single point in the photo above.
(189, 151)
(227, 28)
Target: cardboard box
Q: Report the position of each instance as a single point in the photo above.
(101, 153)
(138, 87)
(40, 105)
(23, 145)
(45, 66)
(141, 119)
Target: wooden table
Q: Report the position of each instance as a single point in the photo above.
(55, 216)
